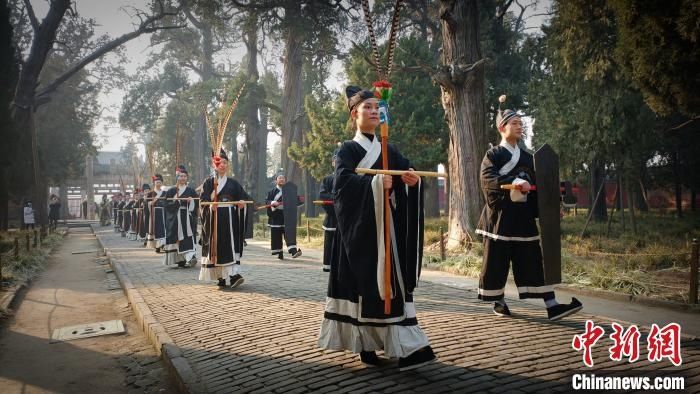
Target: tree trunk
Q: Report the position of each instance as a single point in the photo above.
(640, 197)
(262, 184)
(201, 152)
(461, 80)
(432, 198)
(292, 111)
(600, 211)
(234, 162)
(677, 183)
(24, 100)
(630, 202)
(253, 131)
(63, 199)
(620, 204)
(4, 201)
(310, 194)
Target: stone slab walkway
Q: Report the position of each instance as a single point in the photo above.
(262, 336)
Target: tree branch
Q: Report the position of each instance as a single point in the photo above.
(32, 15)
(501, 10)
(144, 28)
(190, 16)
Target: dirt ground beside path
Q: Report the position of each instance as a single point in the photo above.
(74, 289)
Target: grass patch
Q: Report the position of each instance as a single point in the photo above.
(654, 262)
(28, 263)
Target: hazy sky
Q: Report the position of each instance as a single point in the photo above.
(113, 19)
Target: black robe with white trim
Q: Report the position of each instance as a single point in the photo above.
(502, 219)
(230, 228)
(126, 220)
(158, 208)
(354, 316)
(143, 219)
(275, 215)
(330, 222)
(182, 221)
(120, 215)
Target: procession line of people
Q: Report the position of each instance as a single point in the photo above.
(366, 310)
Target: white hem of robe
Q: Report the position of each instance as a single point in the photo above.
(218, 272)
(395, 340)
(172, 257)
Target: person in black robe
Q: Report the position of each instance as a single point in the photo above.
(54, 211)
(105, 211)
(508, 225)
(354, 317)
(121, 203)
(181, 222)
(145, 214)
(330, 222)
(227, 231)
(156, 202)
(115, 211)
(126, 213)
(275, 220)
(133, 217)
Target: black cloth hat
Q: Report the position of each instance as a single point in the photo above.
(157, 177)
(355, 95)
(503, 116)
(181, 168)
(222, 154)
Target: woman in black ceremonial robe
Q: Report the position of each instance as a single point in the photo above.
(354, 317)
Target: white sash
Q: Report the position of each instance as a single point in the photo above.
(180, 234)
(373, 148)
(220, 184)
(514, 158)
(277, 198)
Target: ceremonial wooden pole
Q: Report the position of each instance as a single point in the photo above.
(401, 172)
(387, 220)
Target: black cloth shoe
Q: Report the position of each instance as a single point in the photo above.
(501, 309)
(369, 359)
(159, 249)
(296, 253)
(236, 280)
(280, 256)
(222, 283)
(417, 359)
(562, 310)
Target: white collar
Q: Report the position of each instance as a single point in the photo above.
(511, 148)
(514, 157)
(372, 150)
(278, 187)
(364, 142)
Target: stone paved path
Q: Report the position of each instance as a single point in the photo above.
(262, 336)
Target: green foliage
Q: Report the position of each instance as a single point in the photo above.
(329, 126)
(657, 49)
(418, 128)
(583, 105)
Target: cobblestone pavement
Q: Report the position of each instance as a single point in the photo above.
(262, 336)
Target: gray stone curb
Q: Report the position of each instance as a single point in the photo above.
(184, 377)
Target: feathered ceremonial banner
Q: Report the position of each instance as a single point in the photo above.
(383, 91)
(216, 138)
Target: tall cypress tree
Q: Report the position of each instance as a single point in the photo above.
(8, 69)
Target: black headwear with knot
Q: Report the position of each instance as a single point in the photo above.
(355, 95)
